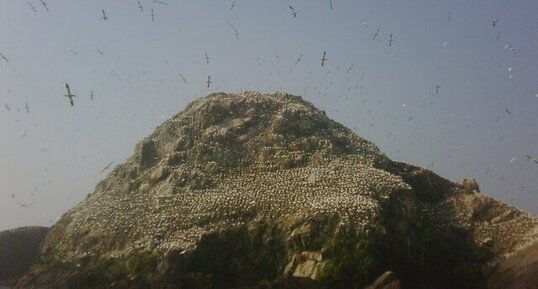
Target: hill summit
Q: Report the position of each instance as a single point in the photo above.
(255, 190)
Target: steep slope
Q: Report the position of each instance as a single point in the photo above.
(18, 249)
(245, 190)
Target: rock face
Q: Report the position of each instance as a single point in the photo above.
(18, 249)
(257, 190)
(520, 270)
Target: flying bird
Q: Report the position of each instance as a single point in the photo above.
(206, 58)
(152, 15)
(69, 94)
(91, 95)
(140, 7)
(532, 159)
(323, 59)
(104, 15)
(350, 67)
(27, 107)
(293, 12)
(32, 7)
(106, 167)
(160, 2)
(331, 4)
(4, 57)
(437, 88)
(390, 41)
(494, 22)
(232, 6)
(183, 78)
(298, 59)
(208, 81)
(7, 107)
(376, 34)
(23, 205)
(511, 48)
(44, 5)
(507, 111)
(100, 51)
(234, 28)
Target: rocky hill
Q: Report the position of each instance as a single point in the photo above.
(258, 190)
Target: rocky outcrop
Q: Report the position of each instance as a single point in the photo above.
(470, 185)
(518, 271)
(257, 190)
(18, 249)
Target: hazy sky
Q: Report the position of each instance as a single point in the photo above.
(482, 121)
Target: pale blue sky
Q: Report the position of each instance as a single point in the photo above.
(50, 158)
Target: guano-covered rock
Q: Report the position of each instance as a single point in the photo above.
(255, 190)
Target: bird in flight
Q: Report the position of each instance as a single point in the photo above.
(233, 5)
(183, 78)
(206, 58)
(140, 7)
(293, 12)
(323, 59)
(23, 205)
(437, 89)
(91, 95)
(106, 167)
(208, 81)
(160, 2)
(234, 28)
(152, 16)
(331, 4)
(32, 7)
(350, 67)
(390, 41)
(100, 51)
(298, 59)
(507, 111)
(104, 15)
(4, 57)
(494, 22)
(27, 107)
(69, 94)
(7, 107)
(376, 34)
(532, 159)
(44, 5)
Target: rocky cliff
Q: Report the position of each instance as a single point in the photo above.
(258, 190)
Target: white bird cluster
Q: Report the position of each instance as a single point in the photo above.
(163, 216)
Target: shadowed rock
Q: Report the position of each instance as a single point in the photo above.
(519, 271)
(18, 249)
